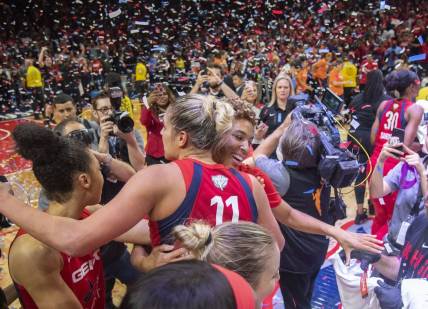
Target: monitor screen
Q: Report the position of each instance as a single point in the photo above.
(332, 101)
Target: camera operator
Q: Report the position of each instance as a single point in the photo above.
(299, 183)
(128, 145)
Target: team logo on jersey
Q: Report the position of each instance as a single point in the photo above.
(220, 181)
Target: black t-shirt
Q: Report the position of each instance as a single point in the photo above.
(303, 252)
(365, 112)
(414, 256)
(272, 116)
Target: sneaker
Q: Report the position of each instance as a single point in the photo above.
(361, 218)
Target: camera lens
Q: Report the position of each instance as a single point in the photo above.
(125, 123)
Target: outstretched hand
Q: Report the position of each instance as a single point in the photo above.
(356, 241)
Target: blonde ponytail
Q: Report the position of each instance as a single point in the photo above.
(242, 247)
(202, 117)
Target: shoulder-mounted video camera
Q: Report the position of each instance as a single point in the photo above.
(337, 166)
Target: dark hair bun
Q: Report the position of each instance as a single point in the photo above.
(400, 80)
(36, 143)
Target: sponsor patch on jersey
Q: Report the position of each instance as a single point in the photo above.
(220, 181)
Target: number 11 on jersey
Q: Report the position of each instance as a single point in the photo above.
(231, 201)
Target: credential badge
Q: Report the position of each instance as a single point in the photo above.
(220, 181)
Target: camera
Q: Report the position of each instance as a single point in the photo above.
(339, 167)
(115, 94)
(123, 121)
(83, 136)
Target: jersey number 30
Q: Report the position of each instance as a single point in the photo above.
(231, 201)
(391, 120)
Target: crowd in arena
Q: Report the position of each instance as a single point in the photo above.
(230, 192)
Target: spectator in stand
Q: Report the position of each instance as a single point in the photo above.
(152, 118)
(302, 66)
(238, 82)
(335, 78)
(369, 64)
(363, 112)
(180, 64)
(398, 113)
(251, 94)
(320, 69)
(349, 73)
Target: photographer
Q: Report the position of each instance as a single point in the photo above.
(212, 82)
(129, 145)
(299, 183)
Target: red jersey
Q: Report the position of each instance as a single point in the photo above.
(215, 194)
(366, 67)
(392, 117)
(154, 126)
(83, 275)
